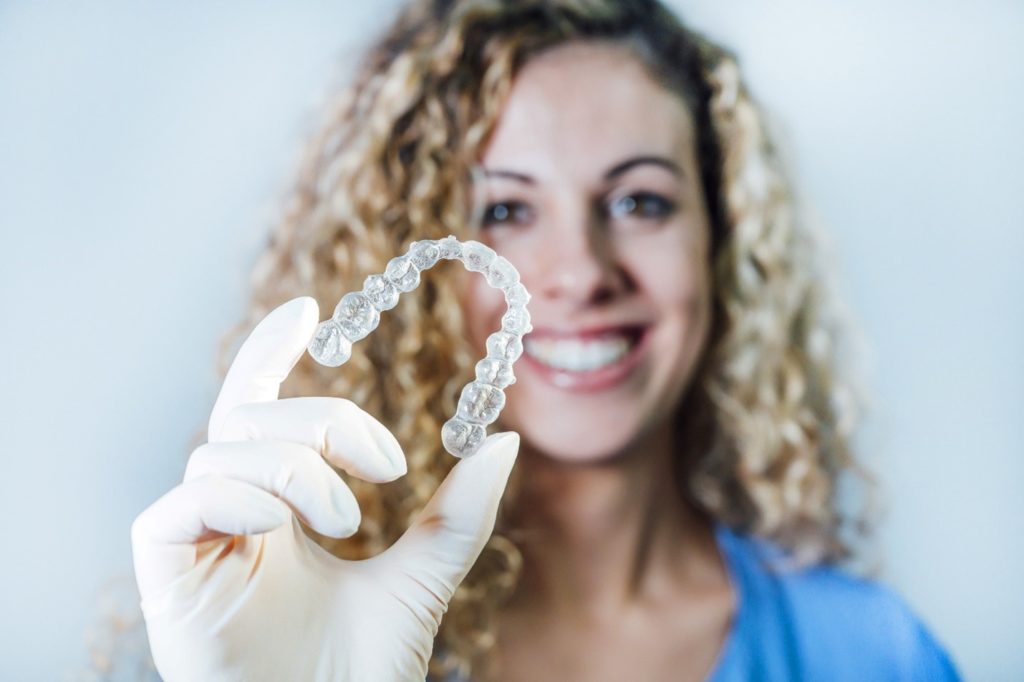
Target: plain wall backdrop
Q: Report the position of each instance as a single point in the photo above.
(144, 148)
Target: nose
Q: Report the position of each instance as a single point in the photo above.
(579, 265)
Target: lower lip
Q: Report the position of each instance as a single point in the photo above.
(593, 380)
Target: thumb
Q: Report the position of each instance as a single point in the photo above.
(444, 541)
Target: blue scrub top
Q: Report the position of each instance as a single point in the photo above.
(817, 623)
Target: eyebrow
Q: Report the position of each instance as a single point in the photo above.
(611, 174)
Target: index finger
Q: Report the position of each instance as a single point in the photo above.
(265, 359)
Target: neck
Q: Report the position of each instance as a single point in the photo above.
(601, 538)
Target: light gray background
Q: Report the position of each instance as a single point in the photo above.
(144, 147)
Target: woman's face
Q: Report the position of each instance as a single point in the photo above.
(594, 194)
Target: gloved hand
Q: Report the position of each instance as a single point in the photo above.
(232, 589)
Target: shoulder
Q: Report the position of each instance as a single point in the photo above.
(827, 620)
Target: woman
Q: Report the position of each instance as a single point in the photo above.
(678, 420)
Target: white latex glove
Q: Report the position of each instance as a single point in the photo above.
(231, 587)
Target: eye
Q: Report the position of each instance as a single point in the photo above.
(642, 205)
(506, 212)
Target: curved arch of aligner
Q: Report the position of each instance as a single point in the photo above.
(358, 314)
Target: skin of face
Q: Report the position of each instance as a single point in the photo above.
(596, 251)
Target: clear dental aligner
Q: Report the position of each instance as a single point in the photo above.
(358, 314)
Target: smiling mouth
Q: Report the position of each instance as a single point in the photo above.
(584, 353)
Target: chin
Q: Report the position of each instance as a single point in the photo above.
(572, 441)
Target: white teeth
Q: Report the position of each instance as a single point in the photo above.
(578, 355)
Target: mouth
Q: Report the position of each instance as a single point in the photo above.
(585, 361)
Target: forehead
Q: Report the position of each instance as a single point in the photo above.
(580, 108)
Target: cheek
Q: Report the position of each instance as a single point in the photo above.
(679, 288)
(673, 272)
(685, 291)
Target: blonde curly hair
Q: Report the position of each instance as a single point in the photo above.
(768, 420)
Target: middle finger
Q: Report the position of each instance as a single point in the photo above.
(347, 436)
